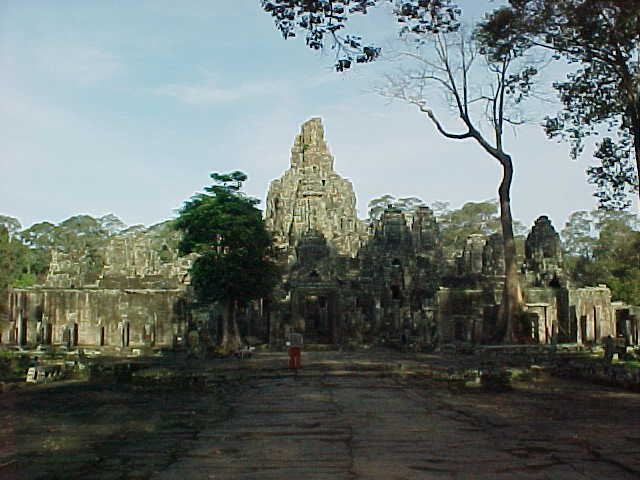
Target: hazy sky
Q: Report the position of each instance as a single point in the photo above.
(126, 107)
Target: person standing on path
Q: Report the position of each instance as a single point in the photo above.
(295, 346)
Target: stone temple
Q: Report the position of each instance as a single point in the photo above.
(344, 281)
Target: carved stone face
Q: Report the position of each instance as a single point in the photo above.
(312, 196)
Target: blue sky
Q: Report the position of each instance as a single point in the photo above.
(127, 107)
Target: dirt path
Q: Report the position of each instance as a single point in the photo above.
(351, 424)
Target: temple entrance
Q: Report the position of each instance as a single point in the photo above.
(626, 326)
(583, 329)
(314, 314)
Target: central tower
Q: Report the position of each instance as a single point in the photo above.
(312, 197)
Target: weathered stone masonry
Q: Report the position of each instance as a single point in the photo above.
(138, 299)
(343, 281)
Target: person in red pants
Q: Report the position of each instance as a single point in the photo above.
(294, 357)
(295, 350)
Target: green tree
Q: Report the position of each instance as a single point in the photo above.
(41, 239)
(40, 235)
(21, 264)
(378, 205)
(617, 260)
(471, 218)
(604, 247)
(601, 39)
(12, 224)
(225, 229)
(440, 208)
(324, 22)
(408, 205)
(80, 232)
(14, 261)
(579, 235)
(111, 224)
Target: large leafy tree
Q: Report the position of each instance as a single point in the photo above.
(40, 235)
(81, 232)
(601, 94)
(81, 235)
(15, 261)
(617, 257)
(224, 227)
(77, 233)
(12, 224)
(29, 250)
(604, 247)
(378, 205)
(111, 224)
(471, 218)
(41, 238)
(21, 264)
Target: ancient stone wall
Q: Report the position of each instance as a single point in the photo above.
(95, 318)
(591, 315)
(142, 258)
(399, 285)
(137, 298)
(343, 282)
(465, 315)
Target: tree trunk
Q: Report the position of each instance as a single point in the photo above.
(512, 303)
(236, 341)
(636, 144)
(230, 335)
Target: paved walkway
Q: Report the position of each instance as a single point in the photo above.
(340, 421)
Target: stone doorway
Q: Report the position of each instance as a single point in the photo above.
(314, 315)
(626, 326)
(583, 329)
(48, 334)
(101, 336)
(22, 330)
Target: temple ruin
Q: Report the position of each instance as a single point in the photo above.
(348, 282)
(344, 282)
(136, 300)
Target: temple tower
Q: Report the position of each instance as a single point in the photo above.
(311, 196)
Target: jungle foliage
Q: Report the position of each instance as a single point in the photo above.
(603, 247)
(26, 253)
(600, 41)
